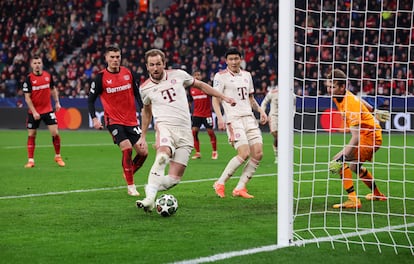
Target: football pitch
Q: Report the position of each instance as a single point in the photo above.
(82, 214)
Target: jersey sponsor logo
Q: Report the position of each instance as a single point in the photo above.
(199, 96)
(40, 87)
(118, 89)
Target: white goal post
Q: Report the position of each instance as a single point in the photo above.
(373, 43)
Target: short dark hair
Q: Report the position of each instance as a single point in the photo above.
(112, 47)
(232, 51)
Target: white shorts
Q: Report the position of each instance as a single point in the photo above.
(273, 120)
(244, 130)
(178, 139)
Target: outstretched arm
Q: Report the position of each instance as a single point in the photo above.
(211, 91)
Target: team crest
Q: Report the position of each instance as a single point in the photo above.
(126, 77)
(173, 81)
(47, 79)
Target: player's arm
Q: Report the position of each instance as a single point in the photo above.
(347, 152)
(206, 88)
(27, 89)
(381, 115)
(146, 117)
(216, 102)
(257, 108)
(55, 95)
(265, 102)
(94, 92)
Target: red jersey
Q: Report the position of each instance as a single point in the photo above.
(39, 87)
(117, 92)
(201, 103)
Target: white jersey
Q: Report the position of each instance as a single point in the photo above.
(272, 98)
(169, 98)
(238, 86)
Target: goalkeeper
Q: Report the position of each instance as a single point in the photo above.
(366, 139)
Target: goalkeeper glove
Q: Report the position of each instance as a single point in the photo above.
(335, 166)
(382, 115)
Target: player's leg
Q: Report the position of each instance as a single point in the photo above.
(273, 126)
(238, 139)
(256, 155)
(197, 154)
(366, 154)
(32, 126)
(31, 145)
(141, 151)
(196, 124)
(348, 184)
(208, 123)
(51, 122)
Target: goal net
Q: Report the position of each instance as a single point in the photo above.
(373, 43)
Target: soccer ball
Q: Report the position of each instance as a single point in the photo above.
(166, 205)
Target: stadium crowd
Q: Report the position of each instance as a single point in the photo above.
(71, 35)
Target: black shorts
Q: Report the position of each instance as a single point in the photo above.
(206, 121)
(48, 118)
(120, 133)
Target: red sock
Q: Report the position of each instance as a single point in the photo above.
(196, 141)
(212, 139)
(31, 144)
(138, 162)
(127, 166)
(56, 143)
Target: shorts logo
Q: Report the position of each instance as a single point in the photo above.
(164, 140)
(115, 132)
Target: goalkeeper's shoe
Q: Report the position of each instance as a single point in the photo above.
(219, 189)
(29, 164)
(132, 190)
(146, 204)
(372, 197)
(351, 203)
(242, 193)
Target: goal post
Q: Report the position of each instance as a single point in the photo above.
(285, 136)
(373, 43)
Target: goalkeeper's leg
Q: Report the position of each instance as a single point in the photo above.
(348, 184)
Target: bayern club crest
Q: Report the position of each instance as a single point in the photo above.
(173, 81)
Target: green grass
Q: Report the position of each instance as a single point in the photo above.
(82, 214)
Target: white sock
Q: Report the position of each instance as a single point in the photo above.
(231, 167)
(151, 191)
(158, 168)
(247, 173)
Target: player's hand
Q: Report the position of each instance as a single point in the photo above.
(263, 118)
(335, 167)
(97, 124)
(230, 101)
(36, 116)
(382, 115)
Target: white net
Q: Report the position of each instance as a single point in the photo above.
(373, 43)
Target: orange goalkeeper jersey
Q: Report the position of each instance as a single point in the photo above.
(356, 114)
